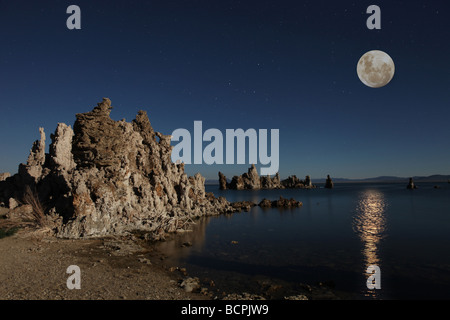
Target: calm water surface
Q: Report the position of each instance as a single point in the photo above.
(335, 236)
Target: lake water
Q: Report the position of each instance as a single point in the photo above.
(334, 237)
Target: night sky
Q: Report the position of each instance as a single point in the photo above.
(287, 65)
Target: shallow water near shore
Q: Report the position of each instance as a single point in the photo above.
(333, 238)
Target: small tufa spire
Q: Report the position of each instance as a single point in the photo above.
(103, 107)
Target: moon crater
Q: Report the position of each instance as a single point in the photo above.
(375, 69)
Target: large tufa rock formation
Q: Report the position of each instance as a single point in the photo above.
(251, 180)
(271, 183)
(107, 176)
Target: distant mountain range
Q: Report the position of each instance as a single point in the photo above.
(432, 178)
(392, 179)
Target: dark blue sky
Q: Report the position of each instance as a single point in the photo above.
(287, 65)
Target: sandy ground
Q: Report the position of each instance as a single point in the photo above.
(33, 266)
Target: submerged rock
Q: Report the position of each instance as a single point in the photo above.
(243, 205)
(280, 203)
(266, 203)
(111, 177)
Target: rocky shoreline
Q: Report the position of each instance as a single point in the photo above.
(34, 263)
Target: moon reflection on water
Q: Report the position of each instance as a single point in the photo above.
(370, 225)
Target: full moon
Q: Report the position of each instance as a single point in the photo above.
(375, 69)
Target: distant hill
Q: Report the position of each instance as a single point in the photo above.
(432, 178)
(393, 179)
